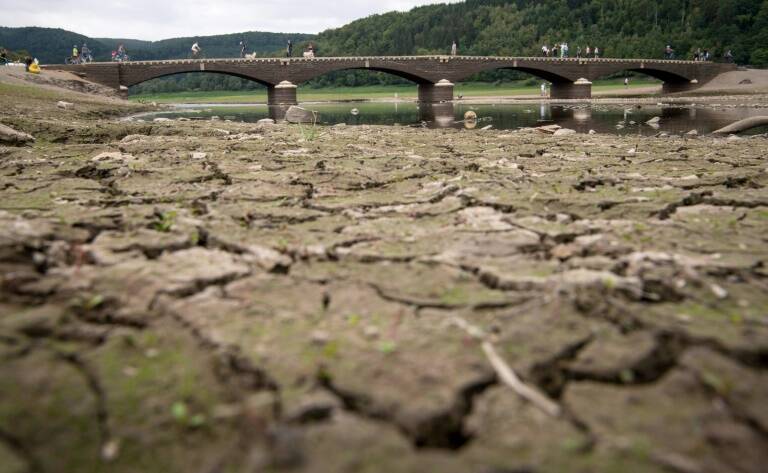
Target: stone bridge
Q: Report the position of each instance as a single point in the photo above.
(571, 78)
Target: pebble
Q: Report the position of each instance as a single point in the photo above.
(320, 337)
(371, 332)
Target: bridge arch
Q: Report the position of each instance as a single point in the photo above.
(138, 75)
(301, 75)
(656, 72)
(543, 72)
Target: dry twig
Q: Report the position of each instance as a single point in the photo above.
(506, 374)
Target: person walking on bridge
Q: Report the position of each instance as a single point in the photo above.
(453, 49)
(243, 46)
(85, 54)
(289, 49)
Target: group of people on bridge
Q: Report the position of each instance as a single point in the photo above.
(81, 56)
(563, 51)
(699, 54)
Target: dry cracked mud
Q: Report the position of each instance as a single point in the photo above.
(222, 297)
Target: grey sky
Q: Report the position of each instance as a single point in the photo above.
(159, 19)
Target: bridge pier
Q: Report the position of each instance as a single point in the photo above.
(442, 91)
(581, 89)
(283, 93)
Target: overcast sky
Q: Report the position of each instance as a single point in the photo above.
(161, 19)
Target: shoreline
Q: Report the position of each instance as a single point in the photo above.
(761, 98)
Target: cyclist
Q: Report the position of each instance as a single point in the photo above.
(75, 54)
(196, 50)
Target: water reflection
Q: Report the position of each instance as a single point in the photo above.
(622, 119)
(441, 115)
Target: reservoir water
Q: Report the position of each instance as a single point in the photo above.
(677, 118)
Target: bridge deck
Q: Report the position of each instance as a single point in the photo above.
(277, 60)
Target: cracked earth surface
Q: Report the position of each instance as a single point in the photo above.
(215, 297)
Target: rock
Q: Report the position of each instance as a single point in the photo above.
(64, 105)
(653, 121)
(692, 133)
(113, 157)
(371, 332)
(198, 155)
(132, 138)
(550, 129)
(487, 127)
(265, 122)
(161, 120)
(470, 115)
(718, 291)
(745, 82)
(300, 115)
(564, 132)
(592, 132)
(267, 258)
(733, 138)
(9, 135)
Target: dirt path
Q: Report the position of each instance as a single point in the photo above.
(213, 296)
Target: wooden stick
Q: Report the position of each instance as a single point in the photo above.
(506, 374)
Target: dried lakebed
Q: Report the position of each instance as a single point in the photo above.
(200, 297)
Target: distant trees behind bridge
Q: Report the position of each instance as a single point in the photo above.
(620, 28)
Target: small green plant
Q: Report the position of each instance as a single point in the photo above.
(311, 133)
(180, 413)
(94, 302)
(387, 347)
(165, 221)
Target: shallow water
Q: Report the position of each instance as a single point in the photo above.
(619, 119)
